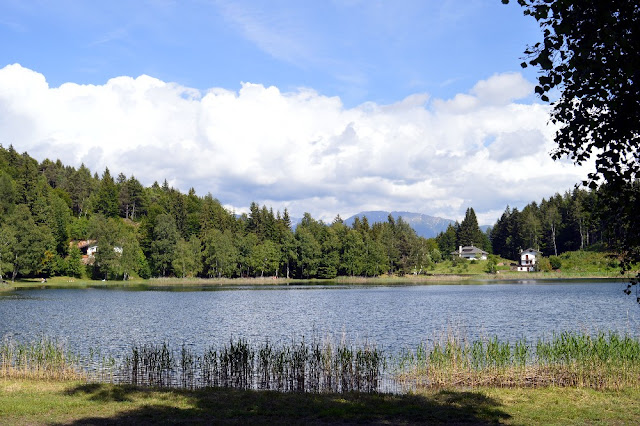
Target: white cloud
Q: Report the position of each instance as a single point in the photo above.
(497, 90)
(299, 150)
(500, 89)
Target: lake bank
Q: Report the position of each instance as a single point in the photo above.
(72, 402)
(423, 279)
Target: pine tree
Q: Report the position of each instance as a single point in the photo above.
(107, 196)
(469, 232)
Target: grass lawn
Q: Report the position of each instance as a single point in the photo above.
(55, 402)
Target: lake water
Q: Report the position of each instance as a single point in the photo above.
(394, 317)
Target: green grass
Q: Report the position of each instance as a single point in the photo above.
(603, 361)
(43, 358)
(589, 262)
(568, 379)
(575, 264)
(57, 402)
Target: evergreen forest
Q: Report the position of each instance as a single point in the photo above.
(49, 210)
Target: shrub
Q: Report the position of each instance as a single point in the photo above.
(492, 263)
(544, 265)
(555, 262)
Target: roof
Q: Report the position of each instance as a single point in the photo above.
(469, 250)
(530, 250)
(82, 243)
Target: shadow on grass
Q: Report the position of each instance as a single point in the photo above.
(223, 405)
(102, 393)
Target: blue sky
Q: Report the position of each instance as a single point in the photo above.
(380, 51)
(330, 107)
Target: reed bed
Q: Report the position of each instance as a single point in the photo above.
(603, 361)
(600, 361)
(44, 358)
(295, 367)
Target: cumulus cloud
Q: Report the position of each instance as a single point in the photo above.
(299, 150)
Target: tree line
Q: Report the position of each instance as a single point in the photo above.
(576, 220)
(47, 208)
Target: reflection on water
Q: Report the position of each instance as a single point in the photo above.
(14, 295)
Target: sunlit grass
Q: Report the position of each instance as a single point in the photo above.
(36, 402)
(568, 359)
(44, 358)
(604, 361)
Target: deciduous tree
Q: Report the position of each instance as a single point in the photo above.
(590, 57)
(165, 237)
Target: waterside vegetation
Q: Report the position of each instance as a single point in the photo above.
(569, 378)
(602, 361)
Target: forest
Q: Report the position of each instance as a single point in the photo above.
(49, 210)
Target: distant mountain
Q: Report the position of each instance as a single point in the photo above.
(295, 221)
(424, 225)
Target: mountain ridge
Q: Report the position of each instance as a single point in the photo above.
(425, 225)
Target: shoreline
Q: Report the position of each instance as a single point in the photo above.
(452, 279)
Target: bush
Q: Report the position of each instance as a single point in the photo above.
(544, 265)
(555, 262)
(492, 263)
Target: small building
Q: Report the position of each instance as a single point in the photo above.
(528, 260)
(89, 248)
(92, 250)
(470, 252)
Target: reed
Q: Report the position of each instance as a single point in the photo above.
(295, 367)
(603, 361)
(151, 365)
(44, 358)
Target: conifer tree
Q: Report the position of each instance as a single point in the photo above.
(107, 196)
(469, 232)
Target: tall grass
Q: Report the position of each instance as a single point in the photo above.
(566, 359)
(601, 361)
(295, 367)
(44, 358)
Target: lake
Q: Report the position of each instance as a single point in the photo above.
(394, 317)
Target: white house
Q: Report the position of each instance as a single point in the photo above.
(528, 260)
(92, 250)
(470, 252)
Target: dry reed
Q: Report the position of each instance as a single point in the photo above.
(42, 359)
